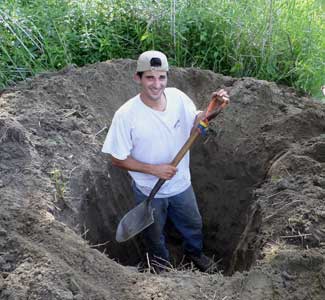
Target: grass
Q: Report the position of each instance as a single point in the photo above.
(59, 184)
(277, 40)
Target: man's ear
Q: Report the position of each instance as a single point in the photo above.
(136, 78)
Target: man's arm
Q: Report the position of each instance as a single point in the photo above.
(163, 171)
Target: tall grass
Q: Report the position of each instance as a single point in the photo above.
(278, 40)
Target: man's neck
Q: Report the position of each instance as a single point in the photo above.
(159, 105)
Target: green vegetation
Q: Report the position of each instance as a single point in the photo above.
(277, 40)
(59, 184)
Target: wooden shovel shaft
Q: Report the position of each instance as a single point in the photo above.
(181, 153)
(188, 144)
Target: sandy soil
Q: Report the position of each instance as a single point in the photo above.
(259, 176)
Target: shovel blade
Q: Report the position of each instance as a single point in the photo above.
(136, 220)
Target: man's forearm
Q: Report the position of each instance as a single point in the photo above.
(131, 164)
(164, 171)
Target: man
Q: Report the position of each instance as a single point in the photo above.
(145, 135)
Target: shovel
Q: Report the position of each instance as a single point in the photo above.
(140, 217)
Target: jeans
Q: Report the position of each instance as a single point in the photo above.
(183, 211)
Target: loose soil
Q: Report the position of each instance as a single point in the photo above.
(259, 176)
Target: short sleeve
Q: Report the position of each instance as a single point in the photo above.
(118, 141)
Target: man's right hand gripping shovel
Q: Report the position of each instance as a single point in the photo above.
(140, 217)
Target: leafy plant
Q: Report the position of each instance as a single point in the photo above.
(280, 40)
(59, 183)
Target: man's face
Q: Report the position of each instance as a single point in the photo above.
(153, 84)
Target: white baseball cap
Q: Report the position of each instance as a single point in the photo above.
(152, 60)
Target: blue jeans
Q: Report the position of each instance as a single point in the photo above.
(183, 211)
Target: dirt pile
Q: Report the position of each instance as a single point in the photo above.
(259, 177)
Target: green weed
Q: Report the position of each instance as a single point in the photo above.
(59, 183)
(277, 40)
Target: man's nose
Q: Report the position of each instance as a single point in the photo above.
(156, 83)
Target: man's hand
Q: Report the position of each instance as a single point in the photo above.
(220, 95)
(323, 89)
(164, 171)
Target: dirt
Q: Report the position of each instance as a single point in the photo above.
(259, 176)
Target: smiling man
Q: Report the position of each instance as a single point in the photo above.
(145, 135)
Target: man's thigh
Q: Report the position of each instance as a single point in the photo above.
(183, 208)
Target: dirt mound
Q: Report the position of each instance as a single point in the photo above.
(259, 176)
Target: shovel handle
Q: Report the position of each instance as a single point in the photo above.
(181, 153)
(193, 137)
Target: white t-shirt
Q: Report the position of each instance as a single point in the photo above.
(153, 137)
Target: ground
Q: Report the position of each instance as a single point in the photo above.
(259, 176)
